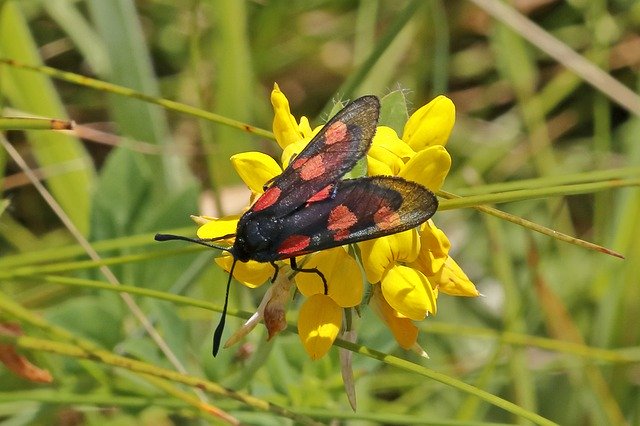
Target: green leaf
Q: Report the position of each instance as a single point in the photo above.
(89, 44)
(35, 94)
(118, 25)
(126, 204)
(90, 317)
(393, 111)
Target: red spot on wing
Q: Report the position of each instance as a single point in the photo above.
(312, 168)
(323, 194)
(386, 218)
(294, 244)
(336, 132)
(267, 199)
(341, 218)
(341, 234)
(298, 162)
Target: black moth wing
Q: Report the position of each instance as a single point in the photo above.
(334, 151)
(361, 209)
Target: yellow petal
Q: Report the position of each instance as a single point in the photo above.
(434, 249)
(428, 167)
(341, 271)
(376, 258)
(403, 329)
(319, 322)
(285, 127)
(409, 292)
(388, 139)
(405, 246)
(390, 159)
(219, 227)
(378, 255)
(305, 127)
(389, 149)
(255, 169)
(430, 125)
(252, 274)
(452, 280)
(377, 168)
(292, 150)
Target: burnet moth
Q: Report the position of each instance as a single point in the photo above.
(310, 208)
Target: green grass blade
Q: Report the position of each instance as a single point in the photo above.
(35, 94)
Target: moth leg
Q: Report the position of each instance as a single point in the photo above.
(294, 267)
(268, 183)
(275, 272)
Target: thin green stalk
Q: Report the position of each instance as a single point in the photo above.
(622, 356)
(452, 202)
(512, 191)
(389, 418)
(534, 226)
(202, 406)
(532, 193)
(447, 380)
(133, 290)
(24, 123)
(10, 307)
(71, 251)
(62, 397)
(547, 181)
(578, 350)
(103, 86)
(108, 358)
(23, 271)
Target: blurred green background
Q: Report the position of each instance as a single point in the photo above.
(555, 332)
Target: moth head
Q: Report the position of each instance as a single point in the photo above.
(254, 237)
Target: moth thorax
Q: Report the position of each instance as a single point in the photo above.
(254, 237)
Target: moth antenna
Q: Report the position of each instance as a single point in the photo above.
(206, 243)
(217, 335)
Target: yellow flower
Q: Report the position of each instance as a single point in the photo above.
(430, 125)
(405, 289)
(321, 314)
(255, 169)
(412, 267)
(407, 270)
(318, 324)
(285, 128)
(402, 327)
(388, 153)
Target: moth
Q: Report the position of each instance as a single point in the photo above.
(309, 207)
